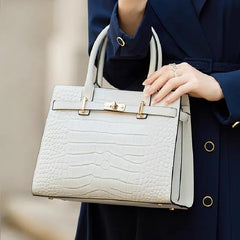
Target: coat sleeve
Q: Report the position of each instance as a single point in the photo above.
(227, 110)
(125, 66)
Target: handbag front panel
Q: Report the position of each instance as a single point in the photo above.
(107, 154)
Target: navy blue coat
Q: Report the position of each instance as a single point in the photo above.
(204, 33)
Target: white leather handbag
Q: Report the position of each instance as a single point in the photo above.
(113, 146)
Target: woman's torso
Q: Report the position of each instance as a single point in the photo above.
(201, 32)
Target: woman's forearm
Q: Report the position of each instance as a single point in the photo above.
(130, 14)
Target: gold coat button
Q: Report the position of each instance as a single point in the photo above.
(207, 201)
(209, 146)
(235, 124)
(121, 42)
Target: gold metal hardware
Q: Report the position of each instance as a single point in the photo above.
(207, 204)
(113, 106)
(140, 111)
(160, 204)
(121, 42)
(50, 198)
(235, 124)
(209, 149)
(82, 109)
(171, 209)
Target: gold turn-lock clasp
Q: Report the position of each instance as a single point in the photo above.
(113, 106)
(140, 114)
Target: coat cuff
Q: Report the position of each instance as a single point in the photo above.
(227, 110)
(134, 47)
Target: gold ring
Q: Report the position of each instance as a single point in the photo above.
(235, 124)
(207, 204)
(121, 42)
(212, 146)
(174, 68)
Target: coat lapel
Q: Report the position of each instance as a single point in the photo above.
(181, 21)
(199, 4)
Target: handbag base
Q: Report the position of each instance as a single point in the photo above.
(170, 206)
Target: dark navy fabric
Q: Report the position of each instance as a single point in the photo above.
(205, 34)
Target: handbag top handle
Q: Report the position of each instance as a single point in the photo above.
(155, 63)
(155, 57)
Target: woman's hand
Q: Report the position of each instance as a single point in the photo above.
(184, 79)
(130, 13)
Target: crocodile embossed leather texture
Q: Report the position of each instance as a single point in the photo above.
(106, 155)
(116, 157)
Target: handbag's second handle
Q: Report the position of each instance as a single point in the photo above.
(155, 63)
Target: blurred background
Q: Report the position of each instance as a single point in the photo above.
(42, 43)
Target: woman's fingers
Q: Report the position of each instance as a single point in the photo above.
(172, 84)
(159, 83)
(154, 76)
(159, 78)
(181, 90)
(183, 78)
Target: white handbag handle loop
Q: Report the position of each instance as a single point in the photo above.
(155, 63)
(155, 57)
